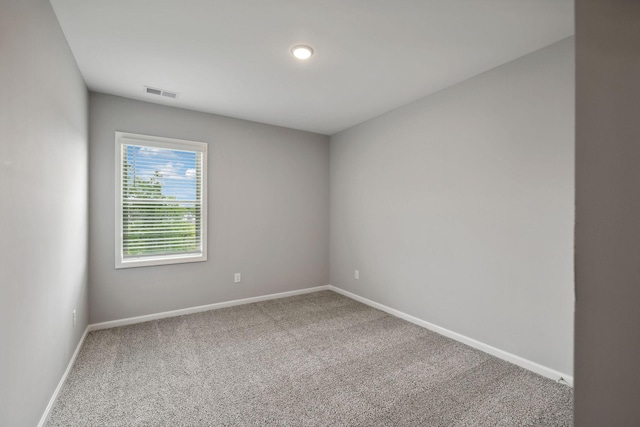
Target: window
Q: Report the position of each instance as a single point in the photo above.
(161, 201)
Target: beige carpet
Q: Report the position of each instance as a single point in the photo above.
(309, 360)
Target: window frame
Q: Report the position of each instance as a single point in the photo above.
(125, 138)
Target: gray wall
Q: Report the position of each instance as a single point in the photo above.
(458, 209)
(43, 212)
(267, 211)
(607, 213)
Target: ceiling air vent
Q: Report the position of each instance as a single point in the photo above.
(160, 92)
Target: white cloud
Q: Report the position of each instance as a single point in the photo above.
(190, 173)
(154, 151)
(172, 171)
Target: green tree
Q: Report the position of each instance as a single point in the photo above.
(154, 223)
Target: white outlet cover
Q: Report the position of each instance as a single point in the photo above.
(237, 278)
(357, 275)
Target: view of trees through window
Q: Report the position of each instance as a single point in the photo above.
(161, 201)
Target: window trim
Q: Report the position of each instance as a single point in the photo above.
(125, 138)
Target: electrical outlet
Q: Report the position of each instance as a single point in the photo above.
(357, 275)
(237, 278)
(74, 317)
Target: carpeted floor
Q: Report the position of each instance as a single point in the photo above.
(309, 360)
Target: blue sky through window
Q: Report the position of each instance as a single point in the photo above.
(177, 169)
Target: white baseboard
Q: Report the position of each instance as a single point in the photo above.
(509, 357)
(198, 309)
(54, 397)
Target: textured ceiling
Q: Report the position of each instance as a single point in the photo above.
(232, 57)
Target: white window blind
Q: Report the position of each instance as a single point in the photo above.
(161, 201)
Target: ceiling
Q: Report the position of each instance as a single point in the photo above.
(232, 57)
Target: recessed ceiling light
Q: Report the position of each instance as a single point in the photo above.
(302, 52)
